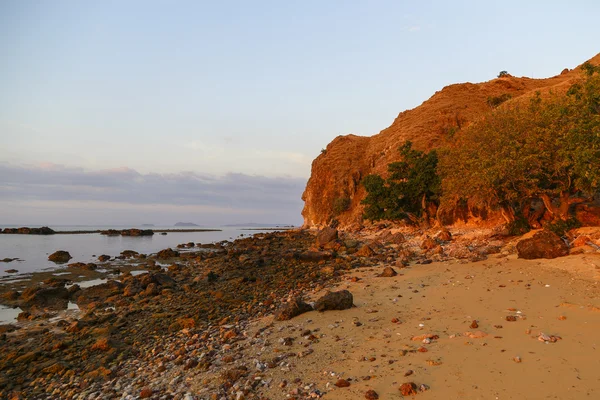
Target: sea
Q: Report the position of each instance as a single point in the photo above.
(32, 251)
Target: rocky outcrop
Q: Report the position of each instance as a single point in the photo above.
(543, 244)
(60, 257)
(44, 230)
(337, 172)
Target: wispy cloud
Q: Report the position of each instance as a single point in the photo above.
(57, 187)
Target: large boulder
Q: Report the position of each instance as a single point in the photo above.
(60, 257)
(341, 300)
(543, 244)
(326, 235)
(292, 309)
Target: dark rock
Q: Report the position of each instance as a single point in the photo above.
(314, 256)
(103, 258)
(42, 297)
(167, 253)
(98, 293)
(137, 232)
(371, 395)
(60, 257)
(11, 271)
(365, 251)
(129, 253)
(444, 235)
(341, 300)
(291, 310)
(388, 272)
(543, 244)
(326, 235)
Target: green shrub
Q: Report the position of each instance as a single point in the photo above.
(495, 101)
(518, 227)
(340, 205)
(503, 73)
(560, 227)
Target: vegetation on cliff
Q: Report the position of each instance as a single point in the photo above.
(532, 160)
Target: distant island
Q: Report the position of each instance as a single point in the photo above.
(147, 224)
(257, 225)
(186, 224)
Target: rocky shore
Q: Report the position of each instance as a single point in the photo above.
(268, 317)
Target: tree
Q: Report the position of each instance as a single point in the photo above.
(411, 188)
(548, 149)
(502, 74)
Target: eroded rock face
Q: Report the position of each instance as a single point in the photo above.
(60, 257)
(543, 244)
(341, 300)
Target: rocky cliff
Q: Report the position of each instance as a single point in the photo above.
(334, 188)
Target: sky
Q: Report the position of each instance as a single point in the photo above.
(211, 112)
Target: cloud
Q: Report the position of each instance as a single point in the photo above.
(56, 187)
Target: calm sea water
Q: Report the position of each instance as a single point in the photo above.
(34, 249)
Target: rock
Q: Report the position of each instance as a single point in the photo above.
(341, 300)
(444, 235)
(314, 256)
(326, 235)
(103, 258)
(11, 271)
(474, 324)
(167, 253)
(146, 393)
(60, 257)
(292, 309)
(365, 251)
(543, 244)
(137, 232)
(51, 297)
(388, 272)
(371, 395)
(408, 389)
(342, 383)
(428, 243)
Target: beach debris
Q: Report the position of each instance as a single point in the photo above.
(548, 338)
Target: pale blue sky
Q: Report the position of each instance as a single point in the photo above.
(253, 87)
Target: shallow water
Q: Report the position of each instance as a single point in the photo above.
(34, 250)
(8, 315)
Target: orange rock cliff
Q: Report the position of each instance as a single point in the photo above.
(337, 172)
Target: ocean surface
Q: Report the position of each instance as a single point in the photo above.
(34, 250)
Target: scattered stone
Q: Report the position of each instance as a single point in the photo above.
(428, 243)
(474, 324)
(511, 318)
(365, 251)
(11, 271)
(341, 300)
(408, 389)
(517, 359)
(371, 395)
(388, 272)
(167, 253)
(342, 383)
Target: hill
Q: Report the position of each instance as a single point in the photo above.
(336, 173)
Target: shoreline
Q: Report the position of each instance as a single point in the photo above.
(201, 322)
